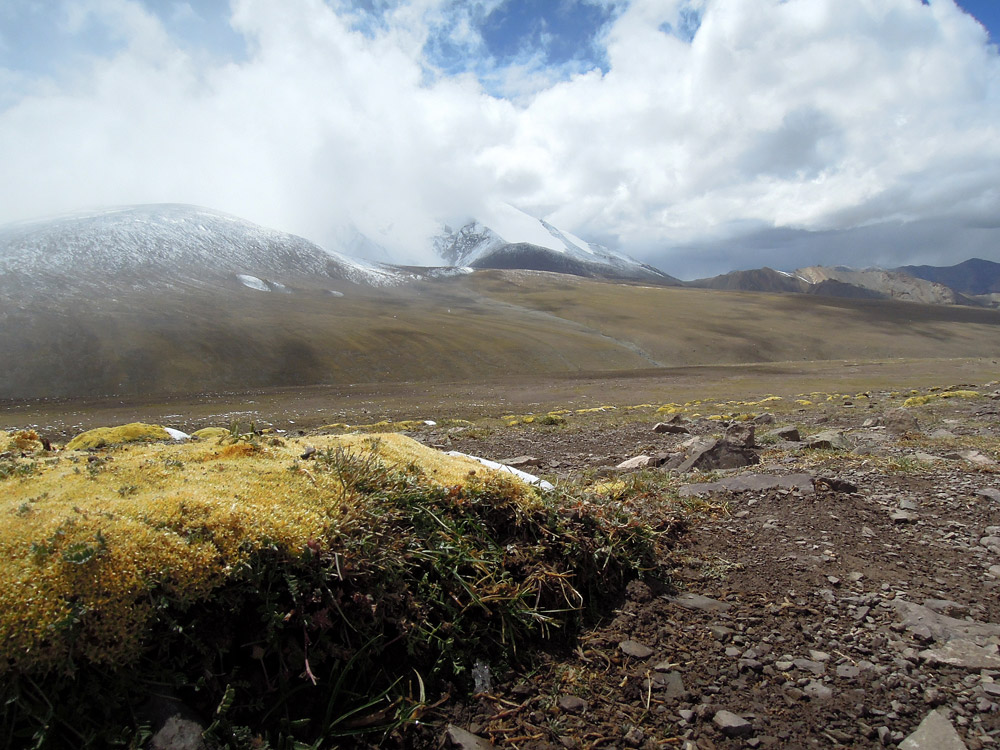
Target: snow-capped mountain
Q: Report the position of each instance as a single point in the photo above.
(511, 239)
(167, 244)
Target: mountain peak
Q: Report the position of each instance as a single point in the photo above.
(506, 237)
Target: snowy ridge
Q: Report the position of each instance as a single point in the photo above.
(506, 237)
(162, 243)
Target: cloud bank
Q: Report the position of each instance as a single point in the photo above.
(695, 134)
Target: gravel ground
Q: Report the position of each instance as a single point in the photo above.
(840, 613)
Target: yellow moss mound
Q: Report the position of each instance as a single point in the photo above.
(922, 400)
(211, 433)
(129, 433)
(87, 546)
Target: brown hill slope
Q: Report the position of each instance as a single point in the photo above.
(485, 325)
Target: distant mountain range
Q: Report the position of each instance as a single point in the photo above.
(973, 282)
(146, 300)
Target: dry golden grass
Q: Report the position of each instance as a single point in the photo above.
(89, 542)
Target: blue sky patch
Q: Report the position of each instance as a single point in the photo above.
(557, 37)
(688, 23)
(562, 31)
(987, 12)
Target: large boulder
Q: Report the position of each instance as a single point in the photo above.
(900, 421)
(706, 455)
(789, 433)
(828, 440)
(742, 433)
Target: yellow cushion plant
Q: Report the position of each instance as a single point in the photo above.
(106, 558)
(129, 433)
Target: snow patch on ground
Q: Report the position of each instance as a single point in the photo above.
(523, 475)
(252, 282)
(177, 434)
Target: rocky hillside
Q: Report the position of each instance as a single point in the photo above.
(836, 586)
(974, 277)
(889, 284)
(968, 283)
(755, 280)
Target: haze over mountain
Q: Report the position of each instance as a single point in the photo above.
(154, 300)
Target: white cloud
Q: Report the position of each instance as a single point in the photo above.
(813, 115)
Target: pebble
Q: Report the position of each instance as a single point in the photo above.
(572, 704)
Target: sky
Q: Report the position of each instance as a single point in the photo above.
(701, 136)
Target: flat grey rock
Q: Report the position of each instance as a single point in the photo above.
(934, 733)
(973, 457)
(631, 464)
(521, 461)
(990, 493)
(848, 671)
(465, 740)
(827, 440)
(963, 653)
(942, 627)
(703, 603)
(818, 691)
(749, 483)
(731, 724)
(670, 684)
(808, 665)
(635, 649)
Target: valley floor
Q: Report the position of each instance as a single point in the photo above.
(305, 408)
(842, 612)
